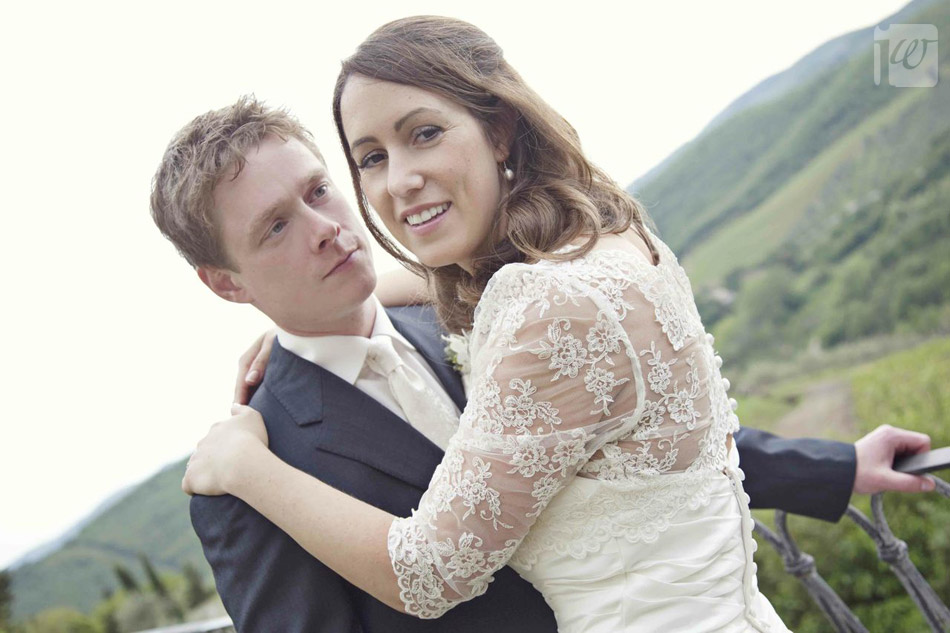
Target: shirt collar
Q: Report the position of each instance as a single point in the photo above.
(342, 355)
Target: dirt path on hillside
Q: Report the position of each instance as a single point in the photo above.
(825, 410)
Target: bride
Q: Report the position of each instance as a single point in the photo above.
(595, 453)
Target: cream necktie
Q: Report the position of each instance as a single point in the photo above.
(424, 409)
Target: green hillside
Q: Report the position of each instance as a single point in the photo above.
(877, 267)
(152, 519)
(738, 165)
(876, 145)
(819, 218)
(826, 57)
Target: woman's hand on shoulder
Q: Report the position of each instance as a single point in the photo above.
(251, 367)
(217, 460)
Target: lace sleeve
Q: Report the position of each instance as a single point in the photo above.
(553, 380)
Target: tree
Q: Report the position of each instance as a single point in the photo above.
(109, 623)
(160, 589)
(126, 579)
(158, 586)
(6, 599)
(147, 610)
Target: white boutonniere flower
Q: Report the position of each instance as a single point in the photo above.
(456, 352)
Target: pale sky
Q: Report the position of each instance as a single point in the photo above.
(117, 358)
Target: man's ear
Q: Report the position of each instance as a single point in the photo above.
(224, 283)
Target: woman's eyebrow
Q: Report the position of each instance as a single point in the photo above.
(396, 126)
(409, 115)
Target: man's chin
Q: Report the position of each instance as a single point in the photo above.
(353, 310)
(363, 285)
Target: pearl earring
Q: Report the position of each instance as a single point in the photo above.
(509, 175)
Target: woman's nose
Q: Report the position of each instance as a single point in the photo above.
(404, 176)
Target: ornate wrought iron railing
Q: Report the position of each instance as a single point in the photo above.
(890, 549)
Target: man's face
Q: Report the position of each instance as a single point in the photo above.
(300, 254)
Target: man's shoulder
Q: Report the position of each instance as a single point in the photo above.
(292, 386)
(419, 315)
(420, 324)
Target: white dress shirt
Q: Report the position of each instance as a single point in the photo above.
(345, 357)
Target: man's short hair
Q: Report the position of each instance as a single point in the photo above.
(213, 146)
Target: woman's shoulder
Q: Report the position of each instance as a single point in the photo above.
(600, 278)
(512, 288)
(549, 288)
(521, 283)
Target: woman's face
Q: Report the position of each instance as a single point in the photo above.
(426, 166)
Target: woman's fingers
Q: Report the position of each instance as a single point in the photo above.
(216, 455)
(259, 364)
(191, 472)
(251, 367)
(185, 483)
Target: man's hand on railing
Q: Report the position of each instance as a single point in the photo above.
(875, 455)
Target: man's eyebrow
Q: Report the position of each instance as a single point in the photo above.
(396, 126)
(262, 220)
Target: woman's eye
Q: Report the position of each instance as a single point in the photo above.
(427, 133)
(371, 159)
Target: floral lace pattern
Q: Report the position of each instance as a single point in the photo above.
(597, 368)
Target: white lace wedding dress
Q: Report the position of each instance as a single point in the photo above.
(592, 458)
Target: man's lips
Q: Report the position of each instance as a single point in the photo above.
(342, 261)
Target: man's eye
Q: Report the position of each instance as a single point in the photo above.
(278, 227)
(321, 191)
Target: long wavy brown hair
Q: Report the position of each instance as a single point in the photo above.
(556, 196)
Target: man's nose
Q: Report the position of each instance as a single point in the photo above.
(404, 176)
(324, 232)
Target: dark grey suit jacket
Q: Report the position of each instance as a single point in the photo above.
(333, 431)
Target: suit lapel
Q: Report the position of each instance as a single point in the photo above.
(343, 420)
(420, 328)
(357, 426)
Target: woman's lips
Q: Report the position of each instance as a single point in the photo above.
(429, 225)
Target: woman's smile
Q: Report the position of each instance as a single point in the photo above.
(428, 219)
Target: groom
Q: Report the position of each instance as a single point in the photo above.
(245, 196)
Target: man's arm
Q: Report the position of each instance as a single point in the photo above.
(816, 478)
(810, 477)
(266, 581)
